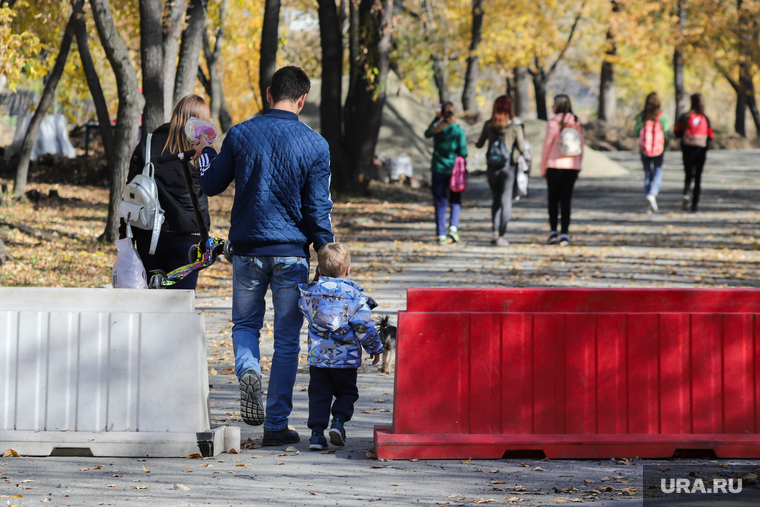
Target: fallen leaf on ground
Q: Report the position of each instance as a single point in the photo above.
(181, 487)
(188, 469)
(195, 455)
(146, 470)
(232, 451)
(466, 462)
(588, 481)
(485, 500)
(140, 487)
(213, 372)
(538, 469)
(514, 499)
(397, 484)
(664, 469)
(11, 453)
(315, 494)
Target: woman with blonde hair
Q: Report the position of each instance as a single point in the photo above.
(180, 230)
(504, 136)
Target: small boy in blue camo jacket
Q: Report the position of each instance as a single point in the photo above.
(340, 324)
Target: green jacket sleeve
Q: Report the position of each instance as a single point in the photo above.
(462, 143)
(429, 132)
(637, 126)
(665, 123)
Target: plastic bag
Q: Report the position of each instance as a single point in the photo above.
(128, 270)
(196, 127)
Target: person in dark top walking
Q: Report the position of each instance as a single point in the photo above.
(180, 230)
(504, 135)
(449, 142)
(696, 134)
(281, 171)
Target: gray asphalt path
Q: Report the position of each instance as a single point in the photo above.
(616, 242)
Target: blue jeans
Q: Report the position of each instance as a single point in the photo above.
(652, 173)
(442, 195)
(250, 278)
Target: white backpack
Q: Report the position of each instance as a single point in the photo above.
(570, 142)
(139, 204)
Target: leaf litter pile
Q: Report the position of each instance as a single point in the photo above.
(54, 242)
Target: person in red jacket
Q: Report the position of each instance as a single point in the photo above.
(695, 132)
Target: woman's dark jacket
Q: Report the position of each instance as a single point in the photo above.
(172, 190)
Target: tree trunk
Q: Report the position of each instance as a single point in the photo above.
(539, 87)
(152, 64)
(521, 101)
(173, 16)
(25, 154)
(471, 74)
(740, 126)
(353, 48)
(214, 90)
(330, 107)
(269, 40)
(678, 83)
(190, 50)
(130, 105)
(752, 104)
(607, 104)
(607, 93)
(93, 81)
(364, 108)
(439, 74)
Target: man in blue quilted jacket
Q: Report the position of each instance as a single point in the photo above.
(281, 170)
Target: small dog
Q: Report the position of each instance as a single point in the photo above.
(387, 333)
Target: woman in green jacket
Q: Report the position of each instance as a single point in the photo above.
(449, 141)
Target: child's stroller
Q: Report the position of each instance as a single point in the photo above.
(203, 254)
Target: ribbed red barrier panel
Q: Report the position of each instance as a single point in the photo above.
(584, 374)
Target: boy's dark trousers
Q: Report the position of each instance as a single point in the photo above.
(324, 384)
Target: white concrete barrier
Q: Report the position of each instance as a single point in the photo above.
(106, 372)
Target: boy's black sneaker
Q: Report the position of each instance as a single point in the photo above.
(337, 433)
(284, 436)
(318, 442)
(251, 406)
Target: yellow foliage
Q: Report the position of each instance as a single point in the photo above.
(18, 50)
(240, 58)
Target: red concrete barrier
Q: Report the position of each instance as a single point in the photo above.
(576, 373)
